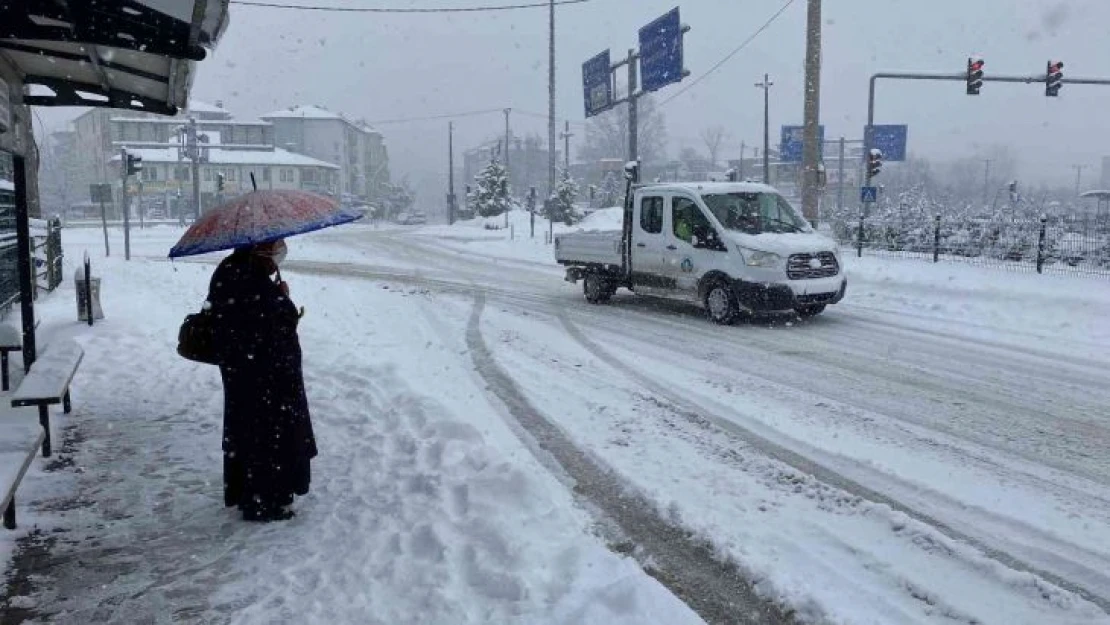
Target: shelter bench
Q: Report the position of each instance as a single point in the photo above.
(19, 443)
(47, 383)
(11, 340)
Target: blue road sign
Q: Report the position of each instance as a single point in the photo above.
(661, 52)
(890, 138)
(868, 195)
(791, 146)
(597, 84)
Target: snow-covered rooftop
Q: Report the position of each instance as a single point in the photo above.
(713, 187)
(7, 185)
(304, 112)
(197, 106)
(217, 156)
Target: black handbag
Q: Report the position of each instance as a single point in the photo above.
(196, 340)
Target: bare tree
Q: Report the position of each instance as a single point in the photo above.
(713, 137)
(607, 134)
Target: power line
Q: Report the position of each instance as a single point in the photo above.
(478, 9)
(405, 120)
(729, 56)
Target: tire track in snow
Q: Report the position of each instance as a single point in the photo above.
(716, 590)
(696, 412)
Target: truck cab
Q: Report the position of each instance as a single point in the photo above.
(733, 248)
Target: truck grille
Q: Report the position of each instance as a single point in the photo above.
(798, 266)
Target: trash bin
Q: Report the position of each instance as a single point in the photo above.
(79, 286)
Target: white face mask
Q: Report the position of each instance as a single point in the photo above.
(276, 254)
(280, 253)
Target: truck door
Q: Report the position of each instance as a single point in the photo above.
(648, 242)
(684, 262)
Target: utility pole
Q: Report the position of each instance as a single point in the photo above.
(126, 200)
(566, 146)
(986, 180)
(450, 173)
(194, 156)
(766, 87)
(840, 179)
(740, 170)
(633, 108)
(551, 99)
(508, 176)
(1078, 177)
(507, 140)
(811, 149)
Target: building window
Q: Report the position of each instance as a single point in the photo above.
(207, 174)
(265, 174)
(230, 175)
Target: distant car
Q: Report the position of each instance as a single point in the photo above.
(411, 219)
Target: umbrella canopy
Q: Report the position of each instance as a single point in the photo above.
(260, 217)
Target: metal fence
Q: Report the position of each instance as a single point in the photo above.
(9, 256)
(47, 256)
(1047, 245)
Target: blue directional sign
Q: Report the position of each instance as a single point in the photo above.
(868, 195)
(890, 138)
(661, 52)
(791, 146)
(597, 84)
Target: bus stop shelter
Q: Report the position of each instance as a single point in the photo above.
(126, 54)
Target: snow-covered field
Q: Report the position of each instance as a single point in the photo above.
(931, 450)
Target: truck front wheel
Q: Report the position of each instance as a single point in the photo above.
(810, 311)
(720, 304)
(597, 289)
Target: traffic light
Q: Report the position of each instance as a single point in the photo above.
(874, 162)
(733, 175)
(974, 75)
(220, 182)
(1054, 77)
(134, 164)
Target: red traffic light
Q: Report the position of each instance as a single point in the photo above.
(1055, 66)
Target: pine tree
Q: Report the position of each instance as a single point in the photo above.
(610, 192)
(491, 194)
(561, 207)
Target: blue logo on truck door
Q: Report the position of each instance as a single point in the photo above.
(687, 265)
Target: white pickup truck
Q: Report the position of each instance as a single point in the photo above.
(732, 247)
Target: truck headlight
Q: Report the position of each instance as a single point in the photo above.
(759, 258)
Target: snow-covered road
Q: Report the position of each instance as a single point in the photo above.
(932, 450)
(964, 458)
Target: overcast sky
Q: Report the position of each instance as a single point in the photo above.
(380, 67)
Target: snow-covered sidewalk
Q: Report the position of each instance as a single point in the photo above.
(425, 507)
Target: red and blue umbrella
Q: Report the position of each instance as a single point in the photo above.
(261, 217)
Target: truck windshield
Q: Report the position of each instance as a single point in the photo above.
(755, 213)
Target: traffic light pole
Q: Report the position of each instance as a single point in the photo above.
(954, 77)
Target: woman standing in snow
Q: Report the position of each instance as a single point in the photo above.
(268, 440)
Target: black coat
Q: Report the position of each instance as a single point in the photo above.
(268, 439)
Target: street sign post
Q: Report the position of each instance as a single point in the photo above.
(791, 146)
(661, 52)
(890, 138)
(597, 84)
(868, 195)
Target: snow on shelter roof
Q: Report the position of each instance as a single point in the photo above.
(203, 107)
(216, 156)
(138, 55)
(6, 185)
(304, 112)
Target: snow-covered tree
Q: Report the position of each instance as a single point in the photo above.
(561, 207)
(491, 193)
(610, 192)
